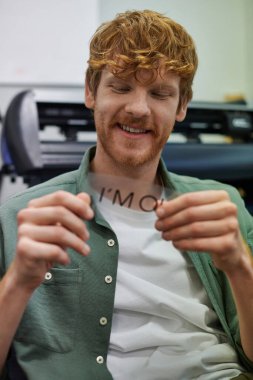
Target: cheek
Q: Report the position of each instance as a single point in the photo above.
(102, 118)
(168, 121)
(103, 107)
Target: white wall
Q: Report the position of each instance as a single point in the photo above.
(248, 17)
(44, 45)
(45, 41)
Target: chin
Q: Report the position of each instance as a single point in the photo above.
(129, 155)
(135, 160)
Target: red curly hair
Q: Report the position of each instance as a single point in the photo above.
(142, 40)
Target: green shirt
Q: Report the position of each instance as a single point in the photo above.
(65, 331)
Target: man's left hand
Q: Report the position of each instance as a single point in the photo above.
(204, 221)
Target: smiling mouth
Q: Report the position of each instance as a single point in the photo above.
(128, 129)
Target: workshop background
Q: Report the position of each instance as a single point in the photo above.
(44, 49)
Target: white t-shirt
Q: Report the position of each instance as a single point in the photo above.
(164, 326)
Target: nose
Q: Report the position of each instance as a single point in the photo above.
(137, 105)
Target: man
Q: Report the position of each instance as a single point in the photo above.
(90, 293)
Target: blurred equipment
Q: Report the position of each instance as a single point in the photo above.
(43, 139)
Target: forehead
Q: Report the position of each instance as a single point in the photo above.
(145, 77)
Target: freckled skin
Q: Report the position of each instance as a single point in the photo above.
(153, 108)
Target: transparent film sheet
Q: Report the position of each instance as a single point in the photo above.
(126, 192)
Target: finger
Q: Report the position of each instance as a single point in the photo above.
(34, 252)
(202, 230)
(54, 215)
(213, 211)
(223, 245)
(87, 199)
(188, 200)
(56, 234)
(63, 198)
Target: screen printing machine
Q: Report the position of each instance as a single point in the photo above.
(41, 139)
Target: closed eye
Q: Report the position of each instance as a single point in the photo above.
(119, 89)
(162, 95)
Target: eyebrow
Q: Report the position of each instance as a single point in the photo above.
(165, 87)
(113, 79)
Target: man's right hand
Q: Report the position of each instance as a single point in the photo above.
(47, 227)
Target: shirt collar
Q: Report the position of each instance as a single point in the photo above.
(83, 171)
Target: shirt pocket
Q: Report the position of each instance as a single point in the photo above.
(50, 318)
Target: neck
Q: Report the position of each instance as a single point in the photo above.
(146, 172)
(111, 177)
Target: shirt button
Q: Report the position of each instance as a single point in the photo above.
(108, 279)
(100, 360)
(110, 242)
(48, 276)
(103, 321)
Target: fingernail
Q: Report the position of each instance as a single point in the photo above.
(86, 249)
(160, 212)
(90, 213)
(159, 225)
(87, 234)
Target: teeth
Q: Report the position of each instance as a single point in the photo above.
(132, 130)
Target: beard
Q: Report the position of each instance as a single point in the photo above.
(129, 153)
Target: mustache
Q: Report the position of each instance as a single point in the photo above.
(137, 122)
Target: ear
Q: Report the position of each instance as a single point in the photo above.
(89, 97)
(181, 112)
